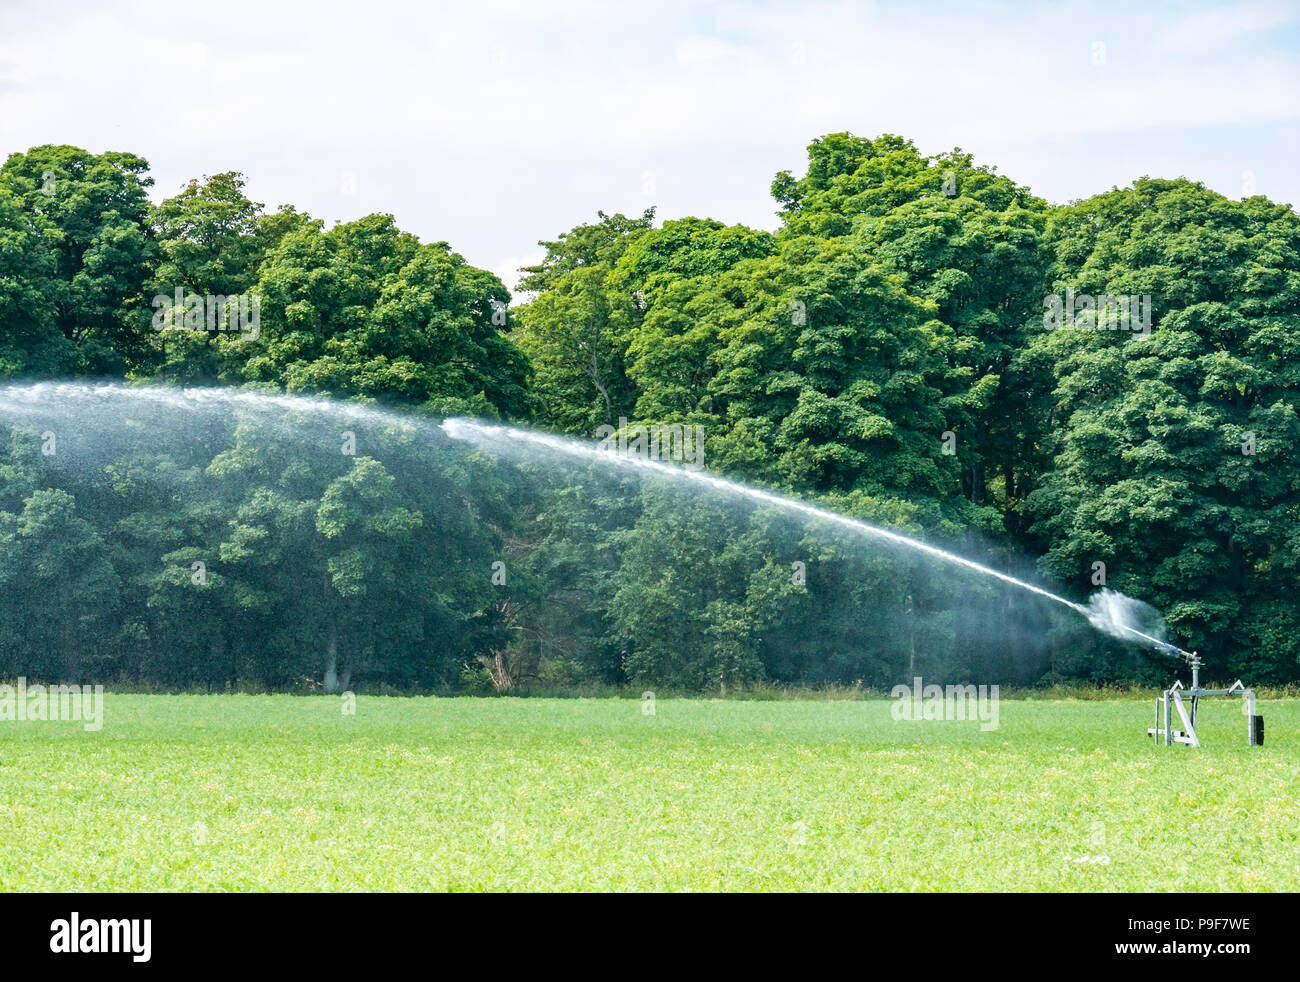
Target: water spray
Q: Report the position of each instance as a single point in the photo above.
(1111, 609)
(1104, 616)
(1108, 611)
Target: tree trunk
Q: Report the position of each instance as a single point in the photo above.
(332, 657)
(501, 676)
(217, 655)
(595, 377)
(1009, 511)
(71, 654)
(911, 640)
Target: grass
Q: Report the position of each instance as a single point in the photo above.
(288, 793)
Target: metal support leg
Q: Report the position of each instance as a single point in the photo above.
(1189, 731)
(1169, 719)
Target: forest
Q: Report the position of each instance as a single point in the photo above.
(1096, 393)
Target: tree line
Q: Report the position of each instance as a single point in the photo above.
(922, 343)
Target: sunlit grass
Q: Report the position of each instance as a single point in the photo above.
(288, 793)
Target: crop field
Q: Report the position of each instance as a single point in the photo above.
(235, 792)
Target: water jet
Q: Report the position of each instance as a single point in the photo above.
(71, 404)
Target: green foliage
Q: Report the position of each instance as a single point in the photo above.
(91, 214)
(364, 309)
(211, 239)
(1150, 472)
(47, 550)
(851, 180)
(883, 353)
(571, 331)
(30, 343)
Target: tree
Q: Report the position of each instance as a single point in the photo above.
(571, 331)
(207, 244)
(364, 309)
(1172, 457)
(30, 342)
(56, 585)
(91, 211)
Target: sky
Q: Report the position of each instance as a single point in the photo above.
(492, 125)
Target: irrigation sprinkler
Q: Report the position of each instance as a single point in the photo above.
(1108, 611)
(1186, 702)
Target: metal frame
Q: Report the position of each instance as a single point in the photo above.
(1172, 699)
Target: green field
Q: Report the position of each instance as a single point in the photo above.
(287, 793)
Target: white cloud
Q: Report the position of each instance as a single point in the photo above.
(1209, 30)
(492, 125)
